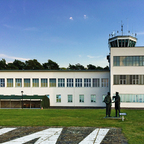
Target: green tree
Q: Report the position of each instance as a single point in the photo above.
(11, 66)
(76, 67)
(33, 65)
(3, 65)
(71, 67)
(63, 68)
(91, 67)
(106, 68)
(51, 65)
(80, 67)
(45, 103)
(99, 68)
(19, 64)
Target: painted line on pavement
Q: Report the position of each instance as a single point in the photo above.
(5, 130)
(95, 137)
(48, 136)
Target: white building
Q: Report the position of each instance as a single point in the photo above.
(127, 71)
(64, 88)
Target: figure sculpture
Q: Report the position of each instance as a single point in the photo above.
(107, 100)
(117, 103)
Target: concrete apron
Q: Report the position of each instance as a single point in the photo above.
(61, 135)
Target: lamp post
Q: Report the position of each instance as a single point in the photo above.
(22, 98)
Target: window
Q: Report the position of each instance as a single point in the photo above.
(61, 82)
(35, 82)
(69, 82)
(44, 82)
(129, 79)
(134, 79)
(78, 82)
(58, 98)
(116, 60)
(87, 82)
(104, 82)
(81, 98)
(70, 98)
(122, 61)
(128, 60)
(2, 82)
(52, 82)
(122, 79)
(93, 98)
(116, 79)
(96, 82)
(132, 98)
(26, 82)
(18, 82)
(10, 82)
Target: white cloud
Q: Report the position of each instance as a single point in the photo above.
(7, 26)
(89, 56)
(11, 57)
(92, 57)
(80, 55)
(20, 28)
(140, 33)
(85, 17)
(71, 18)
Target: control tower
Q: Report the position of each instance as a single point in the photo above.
(126, 62)
(122, 40)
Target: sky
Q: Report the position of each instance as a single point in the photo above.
(66, 31)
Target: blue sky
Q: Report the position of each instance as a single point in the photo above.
(66, 31)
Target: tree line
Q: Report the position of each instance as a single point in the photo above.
(49, 65)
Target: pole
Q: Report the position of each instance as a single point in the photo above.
(22, 98)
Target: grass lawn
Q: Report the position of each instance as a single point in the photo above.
(132, 127)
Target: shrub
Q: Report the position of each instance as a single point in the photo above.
(45, 103)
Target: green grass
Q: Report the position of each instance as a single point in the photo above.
(132, 127)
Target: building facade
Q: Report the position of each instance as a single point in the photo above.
(127, 71)
(64, 88)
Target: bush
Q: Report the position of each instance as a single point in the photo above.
(45, 103)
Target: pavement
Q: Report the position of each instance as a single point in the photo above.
(61, 135)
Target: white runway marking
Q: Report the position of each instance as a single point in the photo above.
(95, 137)
(5, 130)
(48, 136)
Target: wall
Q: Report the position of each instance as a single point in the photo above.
(127, 70)
(53, 91)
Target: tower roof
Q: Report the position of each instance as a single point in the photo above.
(122, 41)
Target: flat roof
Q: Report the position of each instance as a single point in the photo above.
(122, 36)
(129, 47)
(103, 70)
(20, 97)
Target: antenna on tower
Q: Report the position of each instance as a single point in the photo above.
(122, 27)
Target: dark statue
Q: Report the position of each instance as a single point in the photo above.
(107, 100)
(117, 103)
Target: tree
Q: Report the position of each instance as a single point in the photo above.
(33, 65)
(45, 103)
(11, 66)
(91, 67)
(99, 68)
(76, 67)
(80, 67)
(71, 67)
(106, 68)
(3, 65)
(20, 65)
(63, 68)
(51, 65)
